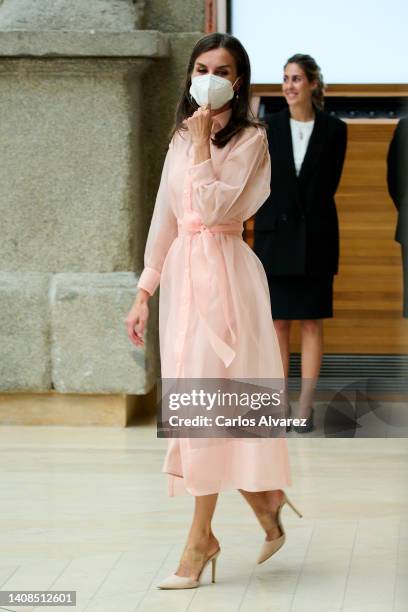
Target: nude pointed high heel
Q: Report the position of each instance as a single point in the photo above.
(187, 582)
(270, 547)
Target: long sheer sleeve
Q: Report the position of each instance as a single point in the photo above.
(162, 232)
(239, 186)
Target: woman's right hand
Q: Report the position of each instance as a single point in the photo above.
(200, 125)
(137, 318)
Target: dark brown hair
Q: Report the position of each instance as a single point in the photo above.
(313, 73)
(241, 115)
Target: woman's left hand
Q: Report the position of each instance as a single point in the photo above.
(200, 125)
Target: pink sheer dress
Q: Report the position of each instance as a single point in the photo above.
(215, 316)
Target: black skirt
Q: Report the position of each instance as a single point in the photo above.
(301, 297)
(404, 249)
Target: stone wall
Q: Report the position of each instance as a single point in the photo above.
(84, 134)
(28, 15)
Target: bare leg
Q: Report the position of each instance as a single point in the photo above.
(201, 542)
(282, 328)
(265, 505)
(312, 352)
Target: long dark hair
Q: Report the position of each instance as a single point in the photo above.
(313, 73)
(241, 115)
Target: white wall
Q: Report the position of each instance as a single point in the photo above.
(353, 41)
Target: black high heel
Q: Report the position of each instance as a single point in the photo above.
(288, 414)
(309, 426)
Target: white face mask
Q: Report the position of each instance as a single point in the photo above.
(211, 89)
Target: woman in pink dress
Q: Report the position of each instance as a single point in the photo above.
(215, 319)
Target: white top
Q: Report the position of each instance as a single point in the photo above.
(301, 131)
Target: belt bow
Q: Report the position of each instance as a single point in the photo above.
(207, 269)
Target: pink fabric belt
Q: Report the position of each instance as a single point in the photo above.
(207, 268)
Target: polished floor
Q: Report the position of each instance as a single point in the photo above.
(86, 509)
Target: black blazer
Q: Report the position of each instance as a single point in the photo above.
(397, 177)
(296, 229)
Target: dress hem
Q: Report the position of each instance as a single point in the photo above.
(176, 489)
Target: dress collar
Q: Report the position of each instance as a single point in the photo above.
(221, 119)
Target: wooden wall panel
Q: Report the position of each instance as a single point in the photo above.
(368, 288)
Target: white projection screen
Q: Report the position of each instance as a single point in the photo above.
(353, 41)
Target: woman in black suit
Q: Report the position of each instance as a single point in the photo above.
(397, 179)
(296, 229)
